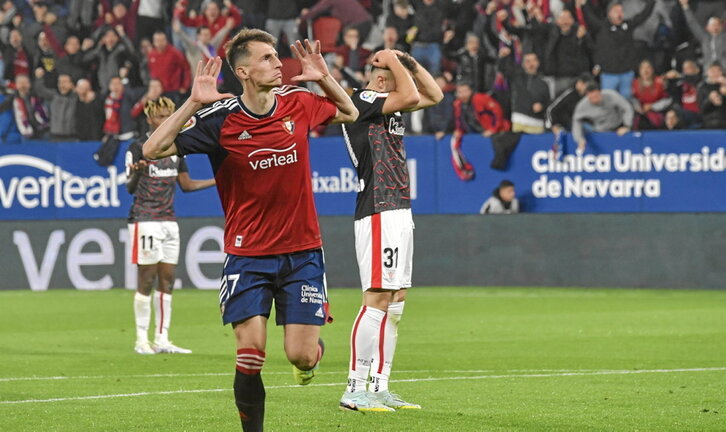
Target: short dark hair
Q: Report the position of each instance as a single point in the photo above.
(505, 183)
(237, 47)
(408, 62)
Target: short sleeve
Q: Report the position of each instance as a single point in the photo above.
(133, 155)
(183, 165)
(320, 109)
(201, 133)
(369, 104)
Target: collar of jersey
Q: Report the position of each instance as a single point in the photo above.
(258, 116)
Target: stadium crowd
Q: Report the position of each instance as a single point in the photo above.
(83, 69)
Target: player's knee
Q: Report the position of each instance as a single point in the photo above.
(303, 360)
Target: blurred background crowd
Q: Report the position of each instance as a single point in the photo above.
(83, 69)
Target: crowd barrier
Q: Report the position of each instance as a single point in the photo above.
(639, 172)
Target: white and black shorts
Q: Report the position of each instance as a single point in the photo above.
(384, 248)
(153, 242)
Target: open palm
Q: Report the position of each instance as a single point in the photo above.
(204, 88)
(312, 62)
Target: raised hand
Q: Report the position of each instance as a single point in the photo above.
(313, 64)
(204, 87)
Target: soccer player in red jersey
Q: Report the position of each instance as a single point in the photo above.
(258, 146)
(383, 222)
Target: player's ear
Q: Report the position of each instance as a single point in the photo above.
(241, 72)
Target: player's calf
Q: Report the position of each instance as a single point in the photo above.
(249, 391)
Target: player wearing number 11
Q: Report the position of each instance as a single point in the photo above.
(383, 222)
(154, 231)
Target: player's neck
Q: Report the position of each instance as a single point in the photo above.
(258, 100)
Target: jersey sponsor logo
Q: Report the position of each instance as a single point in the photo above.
(58, 190)
(244, 136)
(189, 124)
(278, 158)
(395, 127)
(288, 125)
(155, 171)
(238, 241)
(368, 96)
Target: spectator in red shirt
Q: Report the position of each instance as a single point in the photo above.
(117, 12)
(168, 65)
(354, 55)
(212, 16)
(216, 19)
(650, 98)
(683, 88)
(16, 59)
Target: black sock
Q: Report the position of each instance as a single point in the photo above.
(249, 395)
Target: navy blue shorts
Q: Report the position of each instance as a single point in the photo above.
(295, 281)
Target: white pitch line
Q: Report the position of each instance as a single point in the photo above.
(230, 373)
(538, 375)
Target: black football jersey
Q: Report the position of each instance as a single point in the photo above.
(154, 196)
(375, 145)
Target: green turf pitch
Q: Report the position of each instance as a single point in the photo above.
(477, 359)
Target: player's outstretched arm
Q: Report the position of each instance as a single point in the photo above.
(204, 90)
(405, 96)
(430, 93)
(187, 184)
(315, 69)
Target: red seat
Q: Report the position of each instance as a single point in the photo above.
(290, 68)
(327, 30)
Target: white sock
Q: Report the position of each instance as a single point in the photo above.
(142, 314)
(363, 341)
(381, 373)
(162, 317)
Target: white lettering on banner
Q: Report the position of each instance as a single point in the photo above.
(347, 181)
(621, 161)
(106, 255)
(130, 273)
(578, 187)
(67, 189)
(76, 258)
(196, 256)
(38, 277)
(624, 161)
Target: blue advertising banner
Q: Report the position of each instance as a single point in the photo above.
(649, 172)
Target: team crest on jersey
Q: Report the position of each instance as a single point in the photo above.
(368, 96)
(189, 124)
(288, 125)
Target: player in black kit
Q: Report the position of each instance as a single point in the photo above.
(154, 231)
(383, 222)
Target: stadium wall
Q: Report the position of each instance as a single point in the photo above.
(588, 250)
